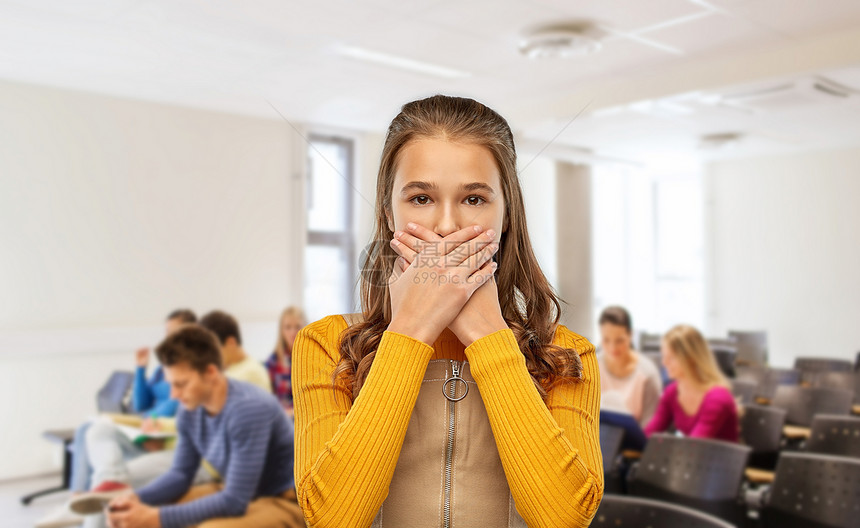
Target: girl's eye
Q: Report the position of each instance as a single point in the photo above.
(423, 199)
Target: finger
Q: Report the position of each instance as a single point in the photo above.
(412, 241)
(481, 257)
(483, 275)
(397, 270)
(448, 243)
(471, 247)
(403, 249)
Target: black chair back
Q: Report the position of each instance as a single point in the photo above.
(802, 403)
(772, 378)
(810, 366)
(745, 390)
(111, 397)
(698, 473)
(835, 435)
(814, 491)
(752, 347)
(761, 427)
(650, 342)
(619, 511)
(849, 381)
(761, 430)
(725, 352)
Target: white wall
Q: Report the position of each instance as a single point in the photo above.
(112, 213)
(574, 239)
(538, 183)
(784, 251)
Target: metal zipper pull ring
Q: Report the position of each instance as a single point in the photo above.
(455, 377)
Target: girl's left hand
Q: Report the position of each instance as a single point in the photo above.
(481, 315)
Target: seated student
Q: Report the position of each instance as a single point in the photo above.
(237, 364)
(280, 362)
(237, 428)
(100, 450)
(151, 397)
(629, 382)
(120, 474)
(699, 403)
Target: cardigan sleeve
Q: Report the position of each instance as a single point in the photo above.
(550, 451)
(346, 452)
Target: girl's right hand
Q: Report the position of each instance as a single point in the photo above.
(431, 291)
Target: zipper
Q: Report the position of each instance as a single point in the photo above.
(451, 394)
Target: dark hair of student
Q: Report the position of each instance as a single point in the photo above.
(222, 325)
(618, 316)
(184, 315)
(190, 344)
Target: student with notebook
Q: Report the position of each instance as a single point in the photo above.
(236, 428)
(629, 381)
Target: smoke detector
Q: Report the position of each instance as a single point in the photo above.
(561, 41)
(720, 141)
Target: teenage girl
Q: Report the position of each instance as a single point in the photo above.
(454, 398)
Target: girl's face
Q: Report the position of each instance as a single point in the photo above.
(446, 186)
(674, 367)
(290, 327)
(615, 341)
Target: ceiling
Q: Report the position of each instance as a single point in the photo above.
(250, 57)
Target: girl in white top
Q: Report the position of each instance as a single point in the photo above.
(629, 381)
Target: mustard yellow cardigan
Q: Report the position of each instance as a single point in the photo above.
(346, 451)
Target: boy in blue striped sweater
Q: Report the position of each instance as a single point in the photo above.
(235, 428)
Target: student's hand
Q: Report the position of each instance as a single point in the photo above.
(126, 511)
(122, 502)
(150, 425)
(436, 278)
(142, 357)
(153, 444)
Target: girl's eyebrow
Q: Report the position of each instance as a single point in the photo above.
(428, 186)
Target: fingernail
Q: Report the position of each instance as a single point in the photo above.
(491, 233)
(395, 242)
(411, 226)
(478, 229)
(398, 234)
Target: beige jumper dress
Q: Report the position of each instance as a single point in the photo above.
(449, 473)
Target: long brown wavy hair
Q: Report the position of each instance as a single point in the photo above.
(529, 305)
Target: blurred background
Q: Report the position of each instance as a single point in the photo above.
(695, 161)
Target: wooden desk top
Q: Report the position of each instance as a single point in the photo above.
(796, 432)
(759, 476)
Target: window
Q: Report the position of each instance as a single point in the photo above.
(329, 259)
(648, 245)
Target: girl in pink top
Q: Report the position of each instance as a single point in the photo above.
(699, 402)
